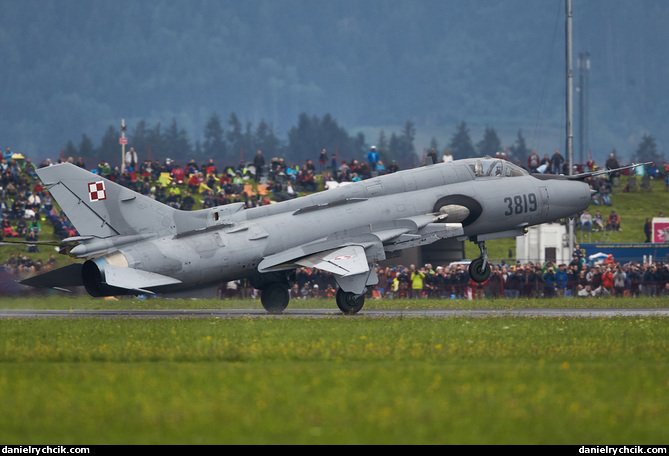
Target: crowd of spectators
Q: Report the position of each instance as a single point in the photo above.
(26, 206)
(24, 265)
(179, 185)
(530, 280)
(534, 280)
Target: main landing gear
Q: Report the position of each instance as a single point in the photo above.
(275, 295)
(273, 286)
(349, 303)
(274, 298)
(479, 269)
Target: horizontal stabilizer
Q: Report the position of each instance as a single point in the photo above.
(135, 279)
(68, 276)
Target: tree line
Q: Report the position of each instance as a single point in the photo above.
(234, 140)
(238, 141)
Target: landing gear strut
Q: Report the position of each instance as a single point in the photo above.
(479, 269)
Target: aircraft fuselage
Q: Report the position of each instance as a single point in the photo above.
(133, 244)
(497, 204)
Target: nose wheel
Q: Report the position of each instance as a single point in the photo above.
(479, 269)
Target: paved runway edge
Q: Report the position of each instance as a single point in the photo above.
(327, 313)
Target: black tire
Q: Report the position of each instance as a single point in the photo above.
(349, 303)
(476, 271)
(275, 298)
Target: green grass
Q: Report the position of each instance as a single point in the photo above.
(338, 380)
(334, 381)
(62, 301)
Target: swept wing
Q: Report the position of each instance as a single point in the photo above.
(349, 254)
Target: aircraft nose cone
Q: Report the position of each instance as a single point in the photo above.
(587, 193)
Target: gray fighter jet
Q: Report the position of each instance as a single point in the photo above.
(134, 245)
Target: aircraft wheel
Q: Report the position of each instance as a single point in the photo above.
(275, 298)
(349, 303)
(476, 271)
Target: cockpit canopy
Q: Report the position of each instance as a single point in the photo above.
(495, 167)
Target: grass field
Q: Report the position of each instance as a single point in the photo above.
(336, 380)
(61, 301)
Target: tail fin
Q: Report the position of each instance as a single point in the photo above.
(101, 208)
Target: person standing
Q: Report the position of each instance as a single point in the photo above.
(561, 280)
(556, 162)
(619, 281)
(533, 161)
(372, 158)
(648, 230)
(259, 163)
(431, 157)
(417, 277)
(322, 159)
(612, 163)
(549, 283)
(131, 159)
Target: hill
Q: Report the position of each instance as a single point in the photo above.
(73, 68)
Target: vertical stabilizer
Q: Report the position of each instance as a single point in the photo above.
(101, 208)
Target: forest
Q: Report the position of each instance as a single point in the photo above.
(269, 73)
(231, 142)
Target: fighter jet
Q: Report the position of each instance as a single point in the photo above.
(135, 245)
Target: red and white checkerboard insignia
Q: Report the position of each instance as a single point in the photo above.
(96, 191)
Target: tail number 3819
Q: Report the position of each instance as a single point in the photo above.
(520, 204)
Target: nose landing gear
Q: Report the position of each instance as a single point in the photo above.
(479, 269)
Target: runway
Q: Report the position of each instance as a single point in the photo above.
(332, 313)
